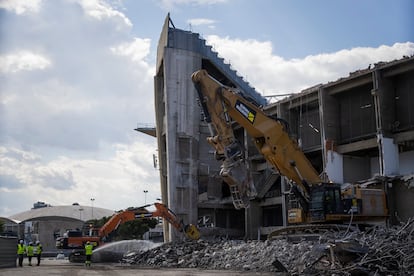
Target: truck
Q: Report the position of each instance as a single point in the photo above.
(319, 201)
(76, 240)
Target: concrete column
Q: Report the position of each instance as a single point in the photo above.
(385, 117)
(334, 166)
(161, 142)
(284, 203)
(390, 156)
(329, 116)
(182, 135)
(253, 217)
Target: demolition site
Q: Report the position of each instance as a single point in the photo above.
(319, 182)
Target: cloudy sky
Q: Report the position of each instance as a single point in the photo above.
(76, 77)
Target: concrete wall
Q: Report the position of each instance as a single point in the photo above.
(44, 229)
(48, 230)
(401, 202)
(406, 163)
(356, 168)
(181, 134)
(8, 252)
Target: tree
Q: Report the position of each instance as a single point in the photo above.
(97, 223)
(135, 229)
(126, 231)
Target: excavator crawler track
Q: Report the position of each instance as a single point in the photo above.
(307, 229)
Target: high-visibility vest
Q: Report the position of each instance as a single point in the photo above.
(37, 249)
(20, 249)
(88, 249)
(30, 250)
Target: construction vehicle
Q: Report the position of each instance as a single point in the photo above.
(319, 201)
(75, 240)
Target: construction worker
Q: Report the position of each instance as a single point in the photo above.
(38, 251)
(88, 253)
(21, 249)
(29, 252)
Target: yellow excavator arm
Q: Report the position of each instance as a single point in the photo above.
(270, 136)
(234, 168)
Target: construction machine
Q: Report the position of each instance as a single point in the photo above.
(76, 240)
(319, 201)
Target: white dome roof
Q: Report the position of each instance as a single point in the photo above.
(79, 212)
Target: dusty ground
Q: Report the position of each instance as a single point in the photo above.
(64, 268)
(377, 251)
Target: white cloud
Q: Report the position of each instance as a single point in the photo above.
(116, 181)
(101, 10)
(272, 74)
(200, 21)
(21, 6)
(66, 133)
(137, 50)
(170, 4)
(91, 94)
(23, 60)
(26, 168)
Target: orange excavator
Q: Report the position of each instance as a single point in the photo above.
(75, 239)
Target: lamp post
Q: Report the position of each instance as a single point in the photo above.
(92, 200)
(80, 213)
(145, 197)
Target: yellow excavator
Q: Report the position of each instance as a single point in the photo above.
(319, 201)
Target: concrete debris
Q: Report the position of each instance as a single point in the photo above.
(378, 251)
(60, 256)
(408, 180)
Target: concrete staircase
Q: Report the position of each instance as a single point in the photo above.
(190, 41)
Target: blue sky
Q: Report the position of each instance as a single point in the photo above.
(77, 76)
(295, 28)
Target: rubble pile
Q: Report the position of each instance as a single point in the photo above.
(222, 254)
(378, 251)
(390, 251)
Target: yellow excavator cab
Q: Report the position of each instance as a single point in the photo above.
(295, 216)
(192, 232)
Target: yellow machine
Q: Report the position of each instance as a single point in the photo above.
(319, 202)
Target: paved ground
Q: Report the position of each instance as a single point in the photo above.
(64, 268)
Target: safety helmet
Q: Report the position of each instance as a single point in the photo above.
(87, 242)
(37, 242)
(30, 243)
(21, 241)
